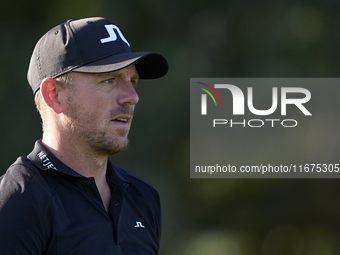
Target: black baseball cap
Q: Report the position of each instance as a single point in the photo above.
(90, 45)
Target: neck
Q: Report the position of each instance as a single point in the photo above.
(84, 162)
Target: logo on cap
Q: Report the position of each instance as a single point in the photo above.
(113, 37)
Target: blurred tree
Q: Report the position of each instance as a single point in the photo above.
(200, 39)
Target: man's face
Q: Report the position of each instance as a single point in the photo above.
(98, 109)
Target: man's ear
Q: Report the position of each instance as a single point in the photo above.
(50, 93)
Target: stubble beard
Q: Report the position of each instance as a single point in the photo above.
(98, 141)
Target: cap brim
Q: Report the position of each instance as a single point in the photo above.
(149, 65)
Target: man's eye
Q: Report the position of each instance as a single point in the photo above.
(134, 82)
(109, 81)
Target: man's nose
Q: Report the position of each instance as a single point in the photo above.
(129, 94)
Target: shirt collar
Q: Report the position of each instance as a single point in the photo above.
(44, 159)
(115, 174)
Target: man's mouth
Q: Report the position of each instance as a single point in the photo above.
(121, 120)
(124, 119)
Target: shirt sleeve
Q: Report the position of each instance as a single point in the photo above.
(21, 221)
(159, 218)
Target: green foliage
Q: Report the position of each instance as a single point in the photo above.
(200, 39)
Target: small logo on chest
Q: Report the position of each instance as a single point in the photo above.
(139, 225)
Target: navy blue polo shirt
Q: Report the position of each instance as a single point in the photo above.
(47, 208)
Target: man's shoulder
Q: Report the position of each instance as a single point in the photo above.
(24, 208)
(20, 171)
(23, 180)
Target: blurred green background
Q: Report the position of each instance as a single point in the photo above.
(200, 38)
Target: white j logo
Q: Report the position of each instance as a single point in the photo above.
(139, 224)
(113, 36)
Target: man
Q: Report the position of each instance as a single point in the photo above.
(66, 197)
